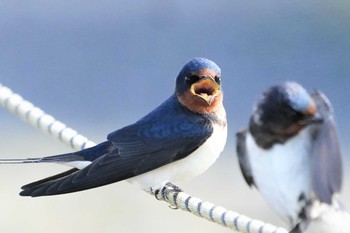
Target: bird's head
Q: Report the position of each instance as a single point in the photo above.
(285, 109)
(198, 86)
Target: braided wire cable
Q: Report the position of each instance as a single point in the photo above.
(36, 117)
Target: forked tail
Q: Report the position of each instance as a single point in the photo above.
(20, 161)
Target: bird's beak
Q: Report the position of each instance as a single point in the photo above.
(311, 120)
(206, 88)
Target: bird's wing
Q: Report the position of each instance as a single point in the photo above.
(326, 155)
(133, 150)
(243, 157)
(50, 178)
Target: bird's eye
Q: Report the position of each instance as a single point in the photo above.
(217, 80)
(191, 79)
(295, 115)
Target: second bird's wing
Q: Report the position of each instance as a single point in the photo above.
(243, 157)
(326, 155)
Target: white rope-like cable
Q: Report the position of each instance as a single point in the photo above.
(26, 111)
(36, 117)
(213, 213)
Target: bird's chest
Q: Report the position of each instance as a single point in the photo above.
(185, 169)
(282, 173)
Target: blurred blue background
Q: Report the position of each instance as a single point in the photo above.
(99, 65)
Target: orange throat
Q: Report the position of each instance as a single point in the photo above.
(197, 104)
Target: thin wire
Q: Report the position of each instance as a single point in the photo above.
(36, 117)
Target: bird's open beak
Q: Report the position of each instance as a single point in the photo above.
(206, 88)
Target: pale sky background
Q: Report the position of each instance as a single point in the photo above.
(100, 65)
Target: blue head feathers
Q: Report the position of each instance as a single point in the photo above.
(193, 66)
(199, 63)
(298, 97)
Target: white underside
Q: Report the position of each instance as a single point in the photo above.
(282, 173)
(188, 167)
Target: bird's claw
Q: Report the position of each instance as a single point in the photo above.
(172, 186)
(161, 193)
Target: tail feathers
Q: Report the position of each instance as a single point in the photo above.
(20, 161)
(63, 158)
(47, 179)
(87, 155)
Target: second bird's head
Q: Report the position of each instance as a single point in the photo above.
(198, 86)
(285, 109)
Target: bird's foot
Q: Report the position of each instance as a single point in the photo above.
(172, 186)
(161, 193)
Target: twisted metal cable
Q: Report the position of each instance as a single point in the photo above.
(36, 117)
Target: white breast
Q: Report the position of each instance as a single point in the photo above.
(282, 173)
(188, 167)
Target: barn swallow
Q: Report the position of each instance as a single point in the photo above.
(175, 142)
(290, 153)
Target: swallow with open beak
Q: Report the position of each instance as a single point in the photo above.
(175, 142)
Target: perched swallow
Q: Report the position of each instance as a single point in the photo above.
(175, 142)
(290, 153)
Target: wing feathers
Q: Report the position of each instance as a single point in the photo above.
(243, 157)
(167, 134)
(326, 155)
